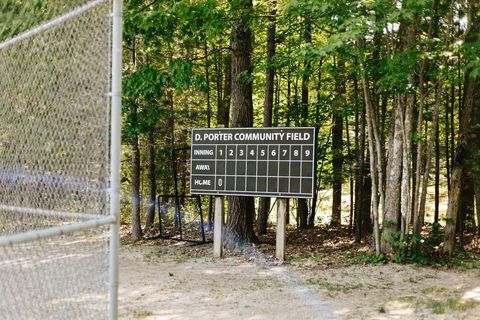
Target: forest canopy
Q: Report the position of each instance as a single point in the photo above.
(391, 86)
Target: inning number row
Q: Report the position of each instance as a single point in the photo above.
(264, 152)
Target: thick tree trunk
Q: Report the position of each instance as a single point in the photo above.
(152, 181)
(223, 106)
(264, 203)
(239, 226)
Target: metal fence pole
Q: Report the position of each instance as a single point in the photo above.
(116, 105)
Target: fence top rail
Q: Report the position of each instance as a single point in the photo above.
(54, 231)
(49, 213)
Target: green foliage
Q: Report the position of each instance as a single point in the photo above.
(18, 16)
(176, 42)
(437, 306)
(408, 248)
(295, 259)
(245, 77)
(396, 72)
(466, 260)
(369, 258)
(143, 90)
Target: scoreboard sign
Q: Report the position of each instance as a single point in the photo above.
(276, 162)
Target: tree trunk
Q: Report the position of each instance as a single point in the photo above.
(466, 205)
(302, 206)
(437, 181)
(394, 180)
(376, 161)
(337, 144)
(136, 226)
(223, 106)
(477, 203)
(397, 193)
(359, 164)
(471, 108)
(239, 226)
(418, 223)
(264, 203)
(152, 181)
(317, 176)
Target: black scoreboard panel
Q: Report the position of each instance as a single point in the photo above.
(276, 162)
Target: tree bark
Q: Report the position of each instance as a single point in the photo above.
(136, 226)
(264, 203)
(152, 181)
(394, 180)
(466, 206)
(337, 144)
(302, 206)
(471, 108)
(239, 226)
(223, 106)
(359, 159)
(376, 160)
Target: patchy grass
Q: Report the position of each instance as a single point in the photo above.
(156, 254)
(459, 305)
(452, 304)
(141, 314)
(319, 257)
(436, 306)
(433, 290)
(381, 309)
(294, 259)
(466, 260)
(334, 287)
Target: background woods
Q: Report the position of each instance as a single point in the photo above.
(392, 87)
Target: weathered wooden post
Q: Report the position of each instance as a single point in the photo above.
(282, 212)
(218, 227)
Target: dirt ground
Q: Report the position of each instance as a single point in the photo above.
(175, 281)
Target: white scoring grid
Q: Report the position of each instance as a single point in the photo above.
(257, 147)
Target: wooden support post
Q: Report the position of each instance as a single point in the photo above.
(282, 212)
(218, 227)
